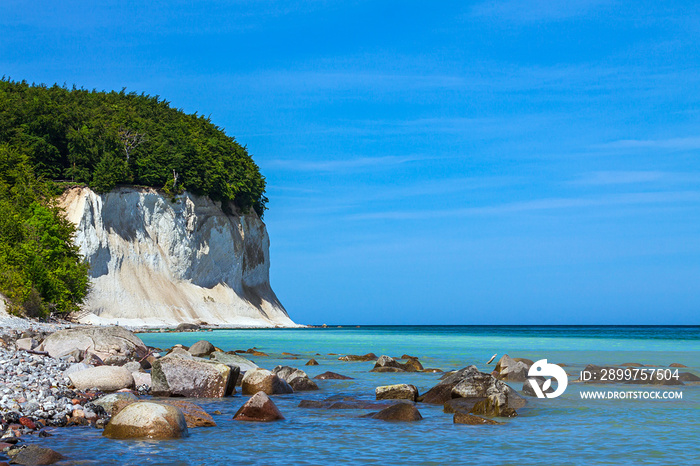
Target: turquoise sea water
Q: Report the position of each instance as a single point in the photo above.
(565, 430)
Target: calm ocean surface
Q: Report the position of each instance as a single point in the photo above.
(565, 430)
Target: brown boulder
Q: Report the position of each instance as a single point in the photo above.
(675, 364)
(36, 455)
(356, 358)
(145, 419)
(460, 405)
(439, 394)
(262, 380)
(195, 416)
(470, 419)
(401, 412)
(259, 408)
(312, 362)
(201, 349)
(492, 407)
(332, 376)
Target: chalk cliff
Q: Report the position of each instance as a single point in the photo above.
(157, 262)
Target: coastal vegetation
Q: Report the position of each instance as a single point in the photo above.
(104, 139)
(54, 136)
(41, 271)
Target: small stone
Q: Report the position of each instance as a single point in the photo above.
(312, 362)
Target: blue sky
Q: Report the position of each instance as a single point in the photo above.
(515, 162)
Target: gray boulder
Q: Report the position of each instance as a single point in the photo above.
(201, 348)
(26, 344)
(104, 378)
(296, 378)
(243, 364)
(387, 364)
(400, 412)
(397, 392)
(100, 341)
(178, 376)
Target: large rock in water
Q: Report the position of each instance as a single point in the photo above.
(147, 420)
(157, 262)
(258, 408)
(177, 376)
(296, 378)
(195, 416)
(104, 378)
(396, 392)
(402, 412)
(472, 384)
(101, 341)
(512, 370)
(243, 364)
(32, 455)
(262, 380)
(201, 348)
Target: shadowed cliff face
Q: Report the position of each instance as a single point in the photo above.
(156, 262)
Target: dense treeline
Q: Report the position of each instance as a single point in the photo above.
(109, 138)
(41, 271)
(101, 139)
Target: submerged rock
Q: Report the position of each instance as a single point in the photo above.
(470, 419)
(401, 412)
(332, 376)
(460, 405)
(145, 419)
(259, 408)
(342, 402)
(493, 406)
(195, 416)
(312, 362)
(36, 455)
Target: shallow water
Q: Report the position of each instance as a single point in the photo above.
(565, 430)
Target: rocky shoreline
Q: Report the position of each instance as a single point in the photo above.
(56, 375)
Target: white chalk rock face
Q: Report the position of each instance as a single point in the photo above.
(156, 262)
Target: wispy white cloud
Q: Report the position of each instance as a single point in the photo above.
(685, 143)
(343, 165)
(539, 205)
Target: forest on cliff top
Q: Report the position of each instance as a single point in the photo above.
(104, 139)
(52, 134)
